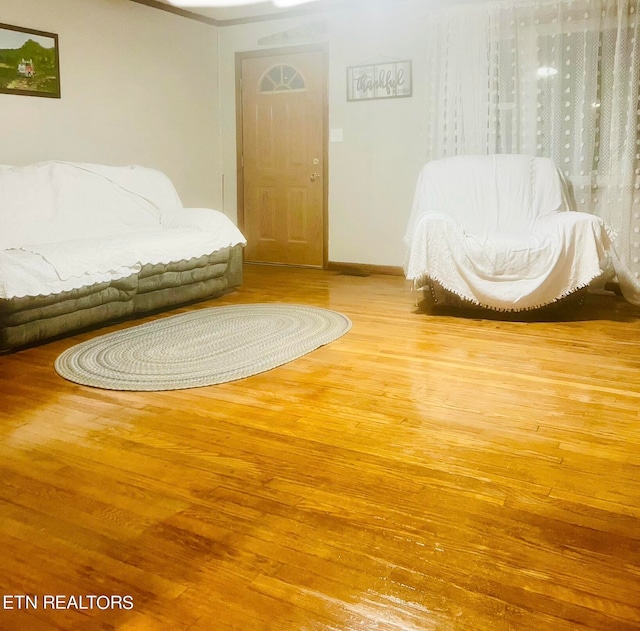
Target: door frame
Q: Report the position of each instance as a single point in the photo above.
(270, 52)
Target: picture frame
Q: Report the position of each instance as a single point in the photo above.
(29, 62)
(388, 80)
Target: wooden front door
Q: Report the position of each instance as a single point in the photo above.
(282, 177)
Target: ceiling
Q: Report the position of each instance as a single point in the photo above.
(264, 10)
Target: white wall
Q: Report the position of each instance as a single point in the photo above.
(139, 86)
(372, 173)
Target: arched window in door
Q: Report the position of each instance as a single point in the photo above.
(281, 78)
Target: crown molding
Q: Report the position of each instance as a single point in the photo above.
(169, 8)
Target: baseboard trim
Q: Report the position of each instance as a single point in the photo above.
(364, 269)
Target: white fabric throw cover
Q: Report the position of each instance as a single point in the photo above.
(496, 230)
(67, 225)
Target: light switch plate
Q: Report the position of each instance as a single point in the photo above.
(336, 135)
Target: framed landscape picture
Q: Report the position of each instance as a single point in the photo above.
(29, 62)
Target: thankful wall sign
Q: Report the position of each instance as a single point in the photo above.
(391, 80)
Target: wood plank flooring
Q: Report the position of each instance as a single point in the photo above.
(428, 471)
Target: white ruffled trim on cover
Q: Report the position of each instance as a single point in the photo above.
(421, 284)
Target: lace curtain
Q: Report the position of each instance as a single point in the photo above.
(555, 78)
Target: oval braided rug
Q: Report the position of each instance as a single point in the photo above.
(201, 348)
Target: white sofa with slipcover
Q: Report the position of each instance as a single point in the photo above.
(82, 244)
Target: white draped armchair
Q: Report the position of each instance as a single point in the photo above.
(496, 231)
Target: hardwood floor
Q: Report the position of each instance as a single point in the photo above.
(424, 472)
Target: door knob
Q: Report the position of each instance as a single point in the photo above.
(314, 176)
